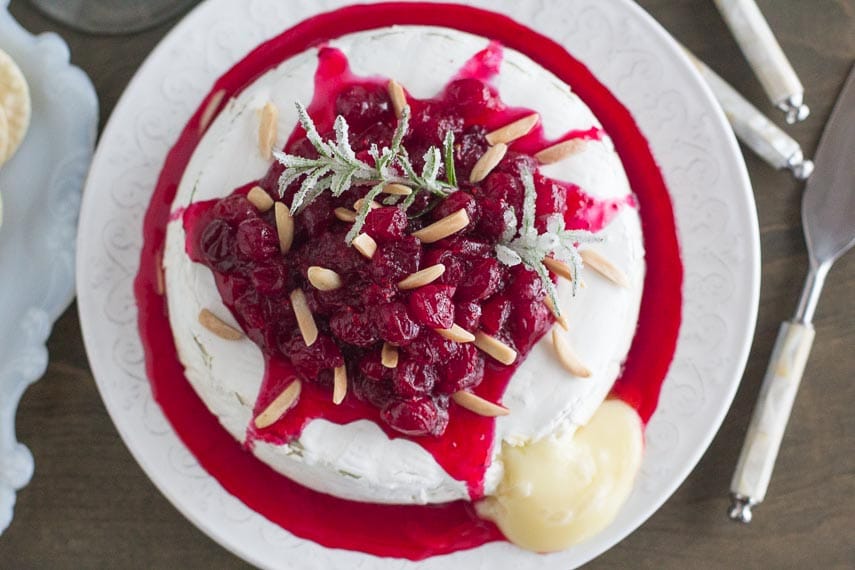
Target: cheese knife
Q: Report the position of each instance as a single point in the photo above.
(828, 217)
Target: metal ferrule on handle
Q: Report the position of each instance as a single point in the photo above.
(771, 413)
(755, 129)
(765, 56)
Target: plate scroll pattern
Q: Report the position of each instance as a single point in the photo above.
(628, 52)
(41, 188)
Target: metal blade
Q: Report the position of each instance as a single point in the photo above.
(828, 205)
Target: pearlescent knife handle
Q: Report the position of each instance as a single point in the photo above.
(754, 128)
(771, 413)
(766, 57)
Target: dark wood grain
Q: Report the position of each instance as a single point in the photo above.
(90, 506)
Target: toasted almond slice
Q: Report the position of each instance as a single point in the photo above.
(277, 408)
(158, 272)
(211, 110)
(513, 131)
(568, 357)
(217, 326)
(560, 151)
(339, 384)
(488, 161)
(558, 267)
(267, 130)
(305, 319)
(478, 405)
(365, 245)
(389, 355)
(456, 333)
(284, 226)
(449, 225)
(559, 319)
(345, 215)
(397, 190)
(421, 278)
(324, 279)
(361, 202)
(260, 199)
(398, 97)
(495, 348)
(604, 267)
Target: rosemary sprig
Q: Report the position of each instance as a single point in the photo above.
(337, 168)
(521, 243)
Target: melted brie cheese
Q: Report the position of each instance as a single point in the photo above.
(358, 461)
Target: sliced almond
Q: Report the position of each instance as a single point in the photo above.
(260, 199)
(389, 355)
(267, 130)
(421, 278)
(397, 190)
(345, 215)
(457, 334)
(305, 319)
(365, 244)
(513, 131)
(361, 202)
(211, 110)
(488, 161)
(559, 319)
(398, 97)
(604, 267)
(478, 405)
(277, 408)
(449, 225)
(217, 326)
(568, 357)
(284, 226)
(495, 348)
(558, 267)
(339, 384)
(560, 151)
(324, 279)
(160, 283)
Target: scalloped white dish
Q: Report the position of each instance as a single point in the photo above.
(41, 188)
(633, 57)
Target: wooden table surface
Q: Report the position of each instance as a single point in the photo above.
(89, 505)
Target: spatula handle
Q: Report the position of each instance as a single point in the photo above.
(771, 413)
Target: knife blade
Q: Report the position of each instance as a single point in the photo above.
(828, 215)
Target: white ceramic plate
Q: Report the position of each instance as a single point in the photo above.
(41, 188)
(633, 56)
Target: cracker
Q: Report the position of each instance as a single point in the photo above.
(15, 101)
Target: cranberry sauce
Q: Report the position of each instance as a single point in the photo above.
(243, 263)
(476, 292)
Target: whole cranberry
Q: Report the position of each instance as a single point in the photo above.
(378, 393)
(468, 315)
(462, 371)
(495, 313)
(386, 224)
(316, 218)
(415, 417)
(531, 321)
(460, 200)
(234, 209)
(468, 148)
(257, 240)
(484, 279)
(371, 366)
(491, 224)
(432, 306)
(526, 286)
(411, 378)
(362, 105)
(269, 279)
(395, 260)
(430, 348)
(455, 266)
(471, 95)
(394, 324)
(310, 360)
(353, 327)
(217, 245)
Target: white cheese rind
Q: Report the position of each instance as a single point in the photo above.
(358, 461)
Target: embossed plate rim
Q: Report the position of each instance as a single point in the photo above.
(699, 387)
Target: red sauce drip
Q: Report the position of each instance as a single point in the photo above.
(402, 531)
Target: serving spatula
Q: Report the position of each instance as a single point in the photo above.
(828, 217)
